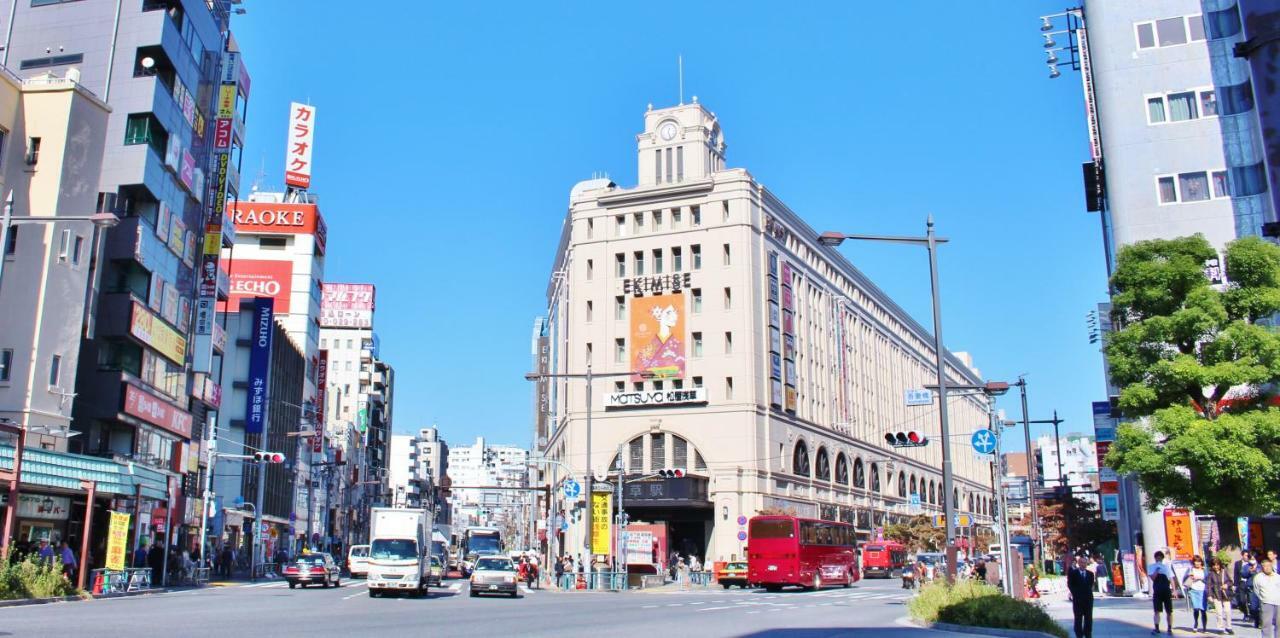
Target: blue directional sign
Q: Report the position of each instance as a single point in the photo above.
(984, 441)
(572, 489)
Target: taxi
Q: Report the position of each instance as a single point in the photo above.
(734, 573)
(313, 568)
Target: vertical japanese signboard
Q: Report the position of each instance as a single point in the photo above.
(543, 389)
(601, 527)
(297, 160)
(117, 540)
(322, 383)
(657, 336)
(788, 339)
(255, 409)
(1178, 533)
(1104, 431)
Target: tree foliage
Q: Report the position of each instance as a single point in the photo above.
(1072, 524)
(917, 534)
(1180, 345)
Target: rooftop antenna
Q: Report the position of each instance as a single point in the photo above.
(262, 174)
(680, 70)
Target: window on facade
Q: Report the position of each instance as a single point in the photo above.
(619, 386)
(591, 269)
(679, 163)
(589, 353)
(635, 454)
(620, 265)
(657, 451)
(697, 344)
(696, 215)
(619, 350)
(144, 128)
(1171, 31)
(842, 469)
(1195, 28)
(274, 243)
(1220, 187)
(619, 308)
(55, 369)
(697, 382)
(675, 217)
(590, 310)
(1193, 187)
(638, 386)
(657, 166)
(725, 205)
(875, 477)
(800, 459)
(6, 364)
(638, 262)
(657, 219)
(679, 452)
(1155, 110)
(1146, 35)
(677, 260)
(728, 343)
(637, 222)
(591, 227)
(669, 176)
(697, 300)
(728, 299)
(728, 387)
(11, 243)
(859, 474)
(728, 259)
(696, 251)
(657, 385)
(822, 465)
(1208, 104)
(1182, 106)
(33, 151)
(657, 261)
(620, 225)
(1167, 188)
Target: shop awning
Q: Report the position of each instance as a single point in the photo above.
(65, 471)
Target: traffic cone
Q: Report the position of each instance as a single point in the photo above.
(97, 584)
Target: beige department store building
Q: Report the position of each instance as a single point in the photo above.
(780, 366)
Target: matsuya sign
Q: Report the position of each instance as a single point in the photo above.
(655, 398)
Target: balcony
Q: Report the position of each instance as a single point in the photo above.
(366, 355)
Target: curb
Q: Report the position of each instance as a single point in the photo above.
(23, 602)
(988, 631)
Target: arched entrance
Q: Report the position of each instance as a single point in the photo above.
(676, 509)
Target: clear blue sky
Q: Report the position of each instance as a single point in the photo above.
(449, 135)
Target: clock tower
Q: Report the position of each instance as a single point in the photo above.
(681, 143)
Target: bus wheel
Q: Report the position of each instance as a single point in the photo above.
(773, 589)
(817, 582)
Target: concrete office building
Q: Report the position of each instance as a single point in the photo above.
(417, 470)
(784, 366)
(1078, 469)
(482, 465)
(157, 63)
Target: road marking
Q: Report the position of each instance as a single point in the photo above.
(700, 602)
(675, 604)
(455, 587)
(649, 606)
(716, 608)
(352, 596)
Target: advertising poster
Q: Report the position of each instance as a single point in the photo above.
(322, 382)
(347, 305)
(775, 393)
(791, 400)
(638, 548)
(117, 540)
(149, 329)
(601, 523)
(657, 336)
(261, 278)
(302, 132)
(255, 410)
(1177, 533)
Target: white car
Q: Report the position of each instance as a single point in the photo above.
(358, 561)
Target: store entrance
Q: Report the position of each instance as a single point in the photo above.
(688, 529)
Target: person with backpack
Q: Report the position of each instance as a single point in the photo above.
(1160, 578)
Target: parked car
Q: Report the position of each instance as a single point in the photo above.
(358, 561)
(494, 575)
(313, 568)
(731, 574)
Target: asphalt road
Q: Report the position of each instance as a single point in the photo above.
(871, 608)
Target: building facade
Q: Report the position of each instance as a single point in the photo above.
(1070, 461)
(771, 367)
(471, 468)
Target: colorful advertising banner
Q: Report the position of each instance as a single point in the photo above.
(153, 331)
(347, 306)
(322, 382)
(252, 278)
(255, 409)
(657, 336)
(297, 159)
(283, 219)
(117, 540)
(1178, 534)
(143, 405)
(601, 523)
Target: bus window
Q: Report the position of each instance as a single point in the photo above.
(772, 529)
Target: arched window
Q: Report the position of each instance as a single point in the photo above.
(800, 459)
(955, 497)
(859, 474)
(913, 484)
(875, 477)
(902, 483)
(970, 502)
(822, 465)
(933, 495)
(842, 469)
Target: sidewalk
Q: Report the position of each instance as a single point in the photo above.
(1120, 617)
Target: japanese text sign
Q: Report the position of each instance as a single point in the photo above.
(297, 160)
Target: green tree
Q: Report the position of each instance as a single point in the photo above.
(1180, 345)
(917, 534)
(1071, 524)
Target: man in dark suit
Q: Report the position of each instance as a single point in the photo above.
(1081, 583)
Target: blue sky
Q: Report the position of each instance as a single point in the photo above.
(449, 135)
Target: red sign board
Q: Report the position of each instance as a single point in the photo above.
(285, 219)
(222, 133)
(261, 278)
(156, 411)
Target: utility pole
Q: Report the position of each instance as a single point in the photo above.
(1006, 550)
(1036, 537)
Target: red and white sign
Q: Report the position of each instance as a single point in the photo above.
(156, 411)
(347, 305)
(302, 132)
(285, 219)
(222, 133)
(261, 278)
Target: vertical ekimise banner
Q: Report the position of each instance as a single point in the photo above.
(601, 529)
(255, 409)
(302, 131)
(657, 336)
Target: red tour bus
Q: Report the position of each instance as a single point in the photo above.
(785, 550)
(883, 558)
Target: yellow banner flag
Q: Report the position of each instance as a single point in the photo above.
(117, 540)
(601, 528)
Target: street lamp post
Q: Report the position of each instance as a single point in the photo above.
(589, 375)
(930, 241)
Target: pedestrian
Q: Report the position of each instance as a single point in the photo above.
(1266, 586)
(1033, 582)
(1193, 583)
(682, 574)
(155, 560)
(68, 559)
(1100, 570)
(1160, 579)
(1081, 581)
(45, 553)
(1220, 589)
(695, 570)
(140, 554)
(224, 561)
(1245, 569)
(980, 570)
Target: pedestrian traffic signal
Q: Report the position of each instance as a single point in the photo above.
(906, 439)
(672, 473)
(268, 457)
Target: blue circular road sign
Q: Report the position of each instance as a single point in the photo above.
(984, 441)
(572, 489)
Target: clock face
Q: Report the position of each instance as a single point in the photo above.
(667, 131)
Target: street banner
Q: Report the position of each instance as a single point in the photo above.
(1178, 534)
(322, 382)
(657, 336)
(601, 523)
(302, 131)
(255, 410)
(117, 540)
(1129, 565)
(1242, 529)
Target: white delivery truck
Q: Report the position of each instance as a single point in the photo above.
(398, 551)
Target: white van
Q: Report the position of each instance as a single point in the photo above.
(358, 561)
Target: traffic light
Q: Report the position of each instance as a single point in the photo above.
(268, 457)
(906, 439)
(672, 473)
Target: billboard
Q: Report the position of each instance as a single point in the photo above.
(657, 336)
(283, 219)
(255, 408)
(146, 406)
(601, 523)
(322, 382)
(347, 306)
(297, 158)
(261, 278)
(151, 330)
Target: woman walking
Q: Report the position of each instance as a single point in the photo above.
(1221, 589)
(1194, 584)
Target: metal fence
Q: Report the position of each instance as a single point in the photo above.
(119, 581)
(622, 581)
